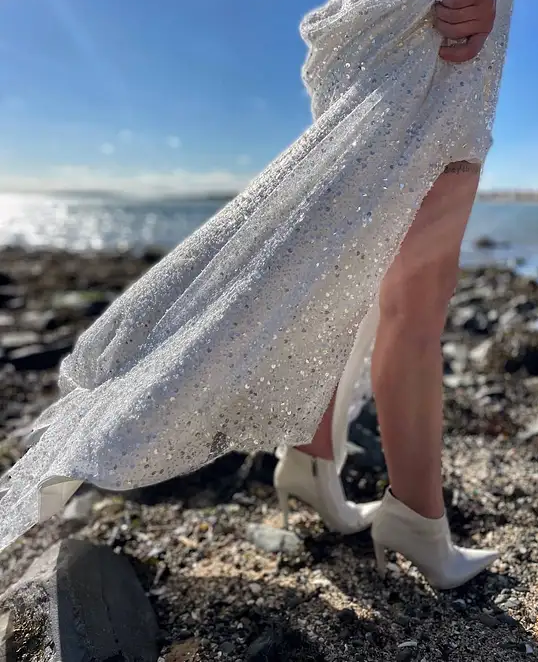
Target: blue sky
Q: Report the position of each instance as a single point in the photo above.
(179, 95)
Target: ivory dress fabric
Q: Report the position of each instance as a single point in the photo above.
(238, 338)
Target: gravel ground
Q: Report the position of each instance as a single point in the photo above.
(219, 596)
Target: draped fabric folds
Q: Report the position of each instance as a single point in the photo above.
(238, 338)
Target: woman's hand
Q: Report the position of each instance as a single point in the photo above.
(472, 20)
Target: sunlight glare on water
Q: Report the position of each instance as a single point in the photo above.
(91, 224)
(38, 221)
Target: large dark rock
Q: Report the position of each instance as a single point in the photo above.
(17, 339)
(37, 357)
(280, 642)
(10, 293)
(79, 603)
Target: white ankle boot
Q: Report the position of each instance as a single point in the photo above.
(317, 483)
(426, 543)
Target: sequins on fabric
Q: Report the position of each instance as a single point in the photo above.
(238, 338)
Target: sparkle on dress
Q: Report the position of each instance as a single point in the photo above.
(238, 338)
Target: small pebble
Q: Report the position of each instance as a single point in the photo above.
(274, 540)
(405, 654)
(412, 643)
(488, 620)
(507, 620)
(402, 620)
(347, 616)
(227, 647)
(460, 605)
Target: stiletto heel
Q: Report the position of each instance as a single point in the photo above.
(284, 503)
(381, 559)
(316, 482)
(427, 543)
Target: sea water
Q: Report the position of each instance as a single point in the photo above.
(81, 224)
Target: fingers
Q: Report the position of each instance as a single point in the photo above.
(464, 19)
(460, 4)
(464, 52)
(457, 16)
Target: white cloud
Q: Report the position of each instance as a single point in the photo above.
(173, 142)
(107, 149)
(141, 184)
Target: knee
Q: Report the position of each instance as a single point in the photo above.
(414, 298)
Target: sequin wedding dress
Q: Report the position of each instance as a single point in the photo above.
(238, 338)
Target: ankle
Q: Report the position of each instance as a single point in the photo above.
(432, 507)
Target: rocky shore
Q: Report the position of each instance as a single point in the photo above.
(196, 570)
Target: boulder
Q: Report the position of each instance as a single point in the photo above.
(272, 540)
(38, 357)
(9, 293)
(78, 602)
(17, 339)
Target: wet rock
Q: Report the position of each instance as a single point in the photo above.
(152, 255)
(76, 300)
(457, 352)
(96, 308)
(16, 303)
(85, 603)
(6, 320)
(520, 352)
(280, 642)
(347, 617)
(522, 304)
(39, 320)
(274, 540)
(480, 354)
(460, 605)
(89, 303)
(227, 647)
(508, 319)
(364, 450)
(463, 380)
(405, 654)
(367, 417)
(17, 339)
(266, 646)
(37, 357)
(471, 319)
(490, 393)
(529, 432)
(81, 505)
(506, 619)
(10, 293)
(488, 620)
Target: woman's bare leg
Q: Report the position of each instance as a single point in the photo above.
(321, 444)
(406, 364)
